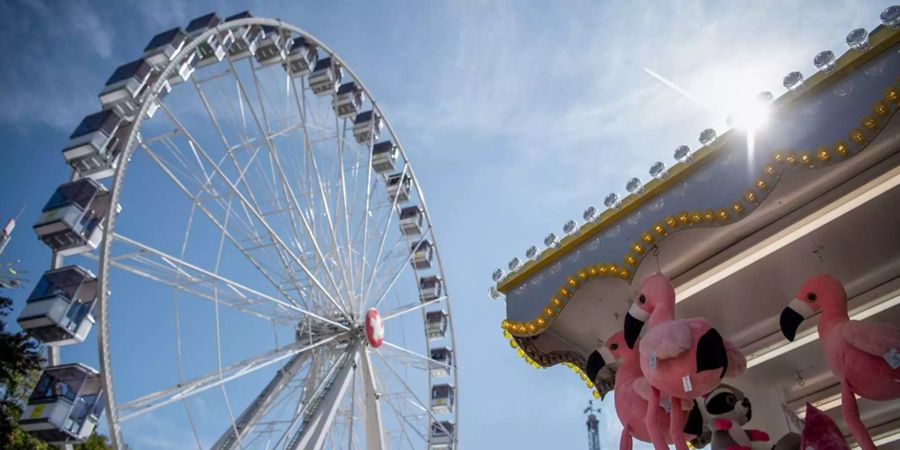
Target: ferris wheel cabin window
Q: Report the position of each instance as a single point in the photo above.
(301, 58)
(70, 221)
(273, 46)
(93, 147)
(245, 39)
(165, 46)
(367, 126)
(398, 186)
(65, 405)
(59, 308)
(325, 77)
(422, 253)
(348, 100)
(411, 220)
(430, 288)
(212, 49)
(384, 157)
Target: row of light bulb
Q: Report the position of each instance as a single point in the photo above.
(858, 39)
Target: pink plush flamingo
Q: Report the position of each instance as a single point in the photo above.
(684, 359)
(865, 356)
(820, 432)
(631, 394)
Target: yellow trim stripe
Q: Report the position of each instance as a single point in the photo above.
(879, 42)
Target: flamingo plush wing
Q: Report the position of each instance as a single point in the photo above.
(874, 338)
(737, 363)
(667, 340)
(641, 388)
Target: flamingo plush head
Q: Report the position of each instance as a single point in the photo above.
(617, 347)
(656, 291)
(818, 293)
(608, 352)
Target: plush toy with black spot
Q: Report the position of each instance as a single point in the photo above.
(727, 410)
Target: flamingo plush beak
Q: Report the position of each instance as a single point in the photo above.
(634, 323)
(596, 362)
(792, 316)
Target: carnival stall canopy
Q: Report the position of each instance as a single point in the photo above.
(805, 184)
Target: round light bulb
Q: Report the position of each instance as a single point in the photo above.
(858, 39)
(634, 186)
(825, 61)
(793, 81)
(611, 200)
(682, 153)
(658, 170)
(707, 136)
(551, 240)
(890, 17)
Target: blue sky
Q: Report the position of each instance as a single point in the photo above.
(515, 115)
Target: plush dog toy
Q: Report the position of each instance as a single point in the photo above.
(865, 356)
(682, 359)
(727, 410)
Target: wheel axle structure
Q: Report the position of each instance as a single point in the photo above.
(267, 276)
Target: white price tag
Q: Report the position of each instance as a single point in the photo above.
(893, 358)
(686, 383)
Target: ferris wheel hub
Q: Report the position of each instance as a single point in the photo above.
(374, 328)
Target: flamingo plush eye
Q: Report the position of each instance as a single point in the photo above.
(642, 299)
(614, 346)
(811, 296)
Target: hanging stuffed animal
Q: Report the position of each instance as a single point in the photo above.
(683, 359)
(821, 433)
(727, 410)
(865, 356)
(631, 394)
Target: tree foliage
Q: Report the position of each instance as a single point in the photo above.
(20, 365)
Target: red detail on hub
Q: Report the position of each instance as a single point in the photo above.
(374, 328)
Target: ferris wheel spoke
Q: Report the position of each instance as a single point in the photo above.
(251, 236)
(384, 234)
(256, 213)
(424, 358)
(411, 307)
(261, 404)
(401, 419)
(414, 398)
(264, 128)
(215, 378)
(243, 180)
(156, 265)
(297, 209)
(319, 412)
(396, 273)
(300, 100)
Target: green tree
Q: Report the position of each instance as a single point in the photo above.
(20, 365)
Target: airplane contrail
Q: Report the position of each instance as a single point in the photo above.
(678, 89)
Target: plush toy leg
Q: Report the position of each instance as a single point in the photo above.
(652, 420)
(675, 420)
(851, 416)
(625, 442)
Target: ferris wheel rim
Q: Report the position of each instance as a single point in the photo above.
(117, 185)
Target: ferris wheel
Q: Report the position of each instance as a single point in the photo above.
(267, 274)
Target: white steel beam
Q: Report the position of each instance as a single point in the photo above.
(214, 378)
(374, 428)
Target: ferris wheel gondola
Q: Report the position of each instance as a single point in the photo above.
(271, 201)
